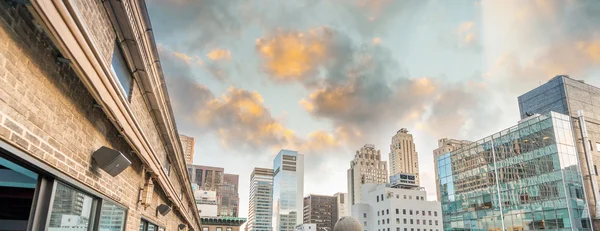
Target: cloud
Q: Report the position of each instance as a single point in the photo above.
(238, 117)
(549, 38)
(219, 54)
(295, 55)
(196, 25)
(361, 87)
(371, 17)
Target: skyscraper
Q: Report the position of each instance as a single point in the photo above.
(187, 144)
(445, 145)
(343, 208)
(366, 168)
(404, 158)
(260, 211)
(526, 177)
(567, 96)
(229, 197)
(320, 210)
(288, 188)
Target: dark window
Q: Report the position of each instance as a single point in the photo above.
(404, 220)
(595, 170)
(377, 213)
(121, 69)
(387, 211)
(381, 197)
(365, 215)
(435, 215)
(377, 198)
(404, 211)
(147, 226)
(387, 221)
(397, 211)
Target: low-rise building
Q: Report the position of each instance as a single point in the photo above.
(222, 223)
(385, 208)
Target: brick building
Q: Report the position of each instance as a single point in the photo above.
(229, 196)
(321, 210)
(76, 76)
(206, 177)
(187, 142)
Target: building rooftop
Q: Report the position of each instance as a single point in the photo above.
(230, 221)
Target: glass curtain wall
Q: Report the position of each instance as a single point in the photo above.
(524, 178)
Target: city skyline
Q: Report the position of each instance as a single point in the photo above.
(144, 115)
(445, 80)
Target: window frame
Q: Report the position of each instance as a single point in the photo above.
(119, 48)
(45, 191)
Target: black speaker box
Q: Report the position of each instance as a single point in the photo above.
(110, 160)
(163, 209)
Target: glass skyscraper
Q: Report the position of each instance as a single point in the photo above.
(526, 177)
(288, 190)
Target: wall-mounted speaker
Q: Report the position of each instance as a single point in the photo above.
(110, 160)
(163, 209)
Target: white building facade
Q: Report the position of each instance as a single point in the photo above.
(260, 210)
(393, 209)
(206, 202)
(366, 168)
(343, 206)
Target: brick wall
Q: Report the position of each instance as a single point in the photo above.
(46, 111)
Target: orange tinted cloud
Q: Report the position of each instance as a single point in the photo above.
(293, 55)
(219, 54)
(183, 57)
(376, 40)
(241, 120)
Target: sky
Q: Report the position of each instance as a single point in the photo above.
(324, 77)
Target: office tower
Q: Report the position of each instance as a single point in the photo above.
(445, 145)
(526, 177)
(260, 211)
(366, 168)
(288, 188)
(567, 96)
(320, 210)
(343, 208)
(206, 177)
(187, 143)
(228, 196)
(385, 207)
(403, 155)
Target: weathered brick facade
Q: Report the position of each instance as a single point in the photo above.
(48, 112)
